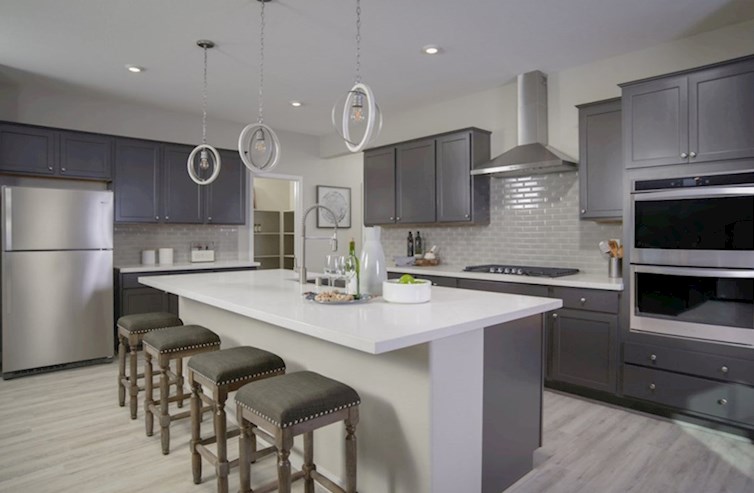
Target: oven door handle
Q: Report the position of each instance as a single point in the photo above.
(695, 193)
(695, 272)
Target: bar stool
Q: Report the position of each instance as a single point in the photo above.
(278, 409)
(131, 330)
(165, 345)
(222, 372)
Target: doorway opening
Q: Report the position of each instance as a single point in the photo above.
(276, 209)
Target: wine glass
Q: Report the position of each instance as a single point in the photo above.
(348, 271)
(331, 269)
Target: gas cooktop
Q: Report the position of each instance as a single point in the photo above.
(522, 270)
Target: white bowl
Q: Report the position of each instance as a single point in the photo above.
(419, 292)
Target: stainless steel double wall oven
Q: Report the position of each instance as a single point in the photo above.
(692, 257)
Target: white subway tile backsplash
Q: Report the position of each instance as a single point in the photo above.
(533, 219)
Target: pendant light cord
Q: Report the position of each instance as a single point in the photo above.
(358, 41)
(204, 100)
(261, 64)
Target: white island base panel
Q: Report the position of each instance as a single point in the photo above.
(456, 414)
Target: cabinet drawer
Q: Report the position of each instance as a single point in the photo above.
(448, 282)
(694, 363)
(504, 287)
(587, 299)
(723, 400)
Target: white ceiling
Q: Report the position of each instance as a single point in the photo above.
(310, 55)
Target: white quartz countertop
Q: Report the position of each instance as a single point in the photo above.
(221, 264)
(580, 280)
(274, 296)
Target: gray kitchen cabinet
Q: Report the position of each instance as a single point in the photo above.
(415, 182)
(600, 160)
(225, 198)
(35, 151)
(700, 115)
(460, 196)
(504, 287)
(583, 349)
(379, 186)
(428, 180)
(144, 300)
(181, 196)
(137, 181)
(446, 282)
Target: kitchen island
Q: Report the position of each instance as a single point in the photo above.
(451, 389)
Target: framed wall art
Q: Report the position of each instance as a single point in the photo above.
(338, 200)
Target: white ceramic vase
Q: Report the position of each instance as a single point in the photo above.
(373, 267)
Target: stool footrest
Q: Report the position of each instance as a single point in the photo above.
(273, 485)
(213, 439)
(326, 482)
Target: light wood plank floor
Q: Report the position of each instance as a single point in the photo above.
(64, 432)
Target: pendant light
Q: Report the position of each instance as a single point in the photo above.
(208, 155)
(356, 113)
(258, 144)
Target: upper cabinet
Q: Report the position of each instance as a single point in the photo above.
(601, 160)
(428, 180)
(152, 185)
(37, 151)
(696, 116)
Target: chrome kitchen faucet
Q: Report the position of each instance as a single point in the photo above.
(333, 239)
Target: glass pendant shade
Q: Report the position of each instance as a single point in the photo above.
(259, 147)
(208, 157)
(357, 118)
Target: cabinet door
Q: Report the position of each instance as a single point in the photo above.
(137, 178)
(721, 113)
(454, 178)
(655, 123)
(27, 150)
(180, 194)
(379, 186)
(226, 196)
(415, 182)
(143, 300)
(85, 155)
(584, 349)
(601, 161)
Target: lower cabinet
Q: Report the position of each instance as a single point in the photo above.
(583, 349)
(447, 282)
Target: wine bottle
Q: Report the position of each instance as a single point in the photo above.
(355, 283)
(410, 245)
(418, 245)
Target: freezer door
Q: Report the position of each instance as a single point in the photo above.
(53, 219)
(57, 308)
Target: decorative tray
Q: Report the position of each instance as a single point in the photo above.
(364, 299)
(423, 262)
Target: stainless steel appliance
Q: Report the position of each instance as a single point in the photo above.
(692, 257)
(521, 270)
(57, 278)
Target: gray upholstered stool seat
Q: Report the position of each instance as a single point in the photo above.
(131, 330)
(222, 372)
(290, 405)
(164, 345)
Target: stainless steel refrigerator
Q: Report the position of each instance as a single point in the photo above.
(57, 278)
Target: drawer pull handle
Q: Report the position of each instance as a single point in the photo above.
(652, 386)
(724, 369)
(652, 357)
(722, 402)
(582, 300)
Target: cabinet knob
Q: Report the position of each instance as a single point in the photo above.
(652, 357)
(167, 218)
(684, 155)
(50, 168)
(62, 169)
(582, 300)
(434, 284)
(467, 216)
(583, 211)
(722, 401)
(692, 154)
(652, 386)
(209, 218)
(392, 218)
(398, 218)
(157, 217)
(554, 315)
(724, 369)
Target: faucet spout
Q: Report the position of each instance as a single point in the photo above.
(334, 239)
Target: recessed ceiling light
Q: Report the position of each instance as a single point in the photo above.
(431, 50)
(134, 69)
(296, 104)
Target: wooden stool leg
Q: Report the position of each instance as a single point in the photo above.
(179, 381)
(351, 422)
(244, 452)
(148, 394)
(308, 466)
(133, 384)
(222, 466)
(284, 445)
(164, 416)
(121, 372)
(196, 423)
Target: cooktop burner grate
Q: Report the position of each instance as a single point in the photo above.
(522, 270)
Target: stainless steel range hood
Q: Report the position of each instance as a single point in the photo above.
(532, 155)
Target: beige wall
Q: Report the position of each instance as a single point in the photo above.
(272, 195)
